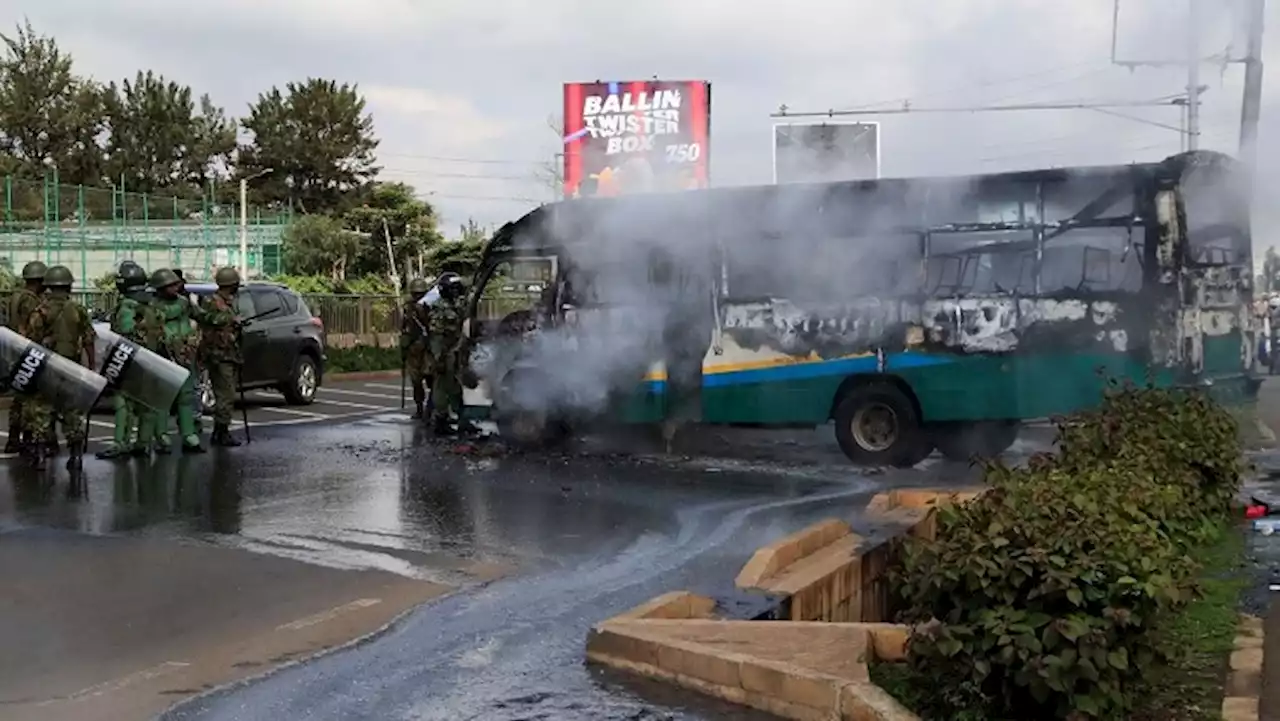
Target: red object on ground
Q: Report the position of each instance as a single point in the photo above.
(1255, 511)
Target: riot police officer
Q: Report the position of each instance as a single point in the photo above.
(21, 305)
(127, 320)
(415, 354)
(220, 350)
(444, 332)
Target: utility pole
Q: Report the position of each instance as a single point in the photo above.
(244, 221)
(1193, 74)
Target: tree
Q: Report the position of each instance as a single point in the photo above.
(460, 256)
(319, 245)
(50, 119)
(152, 132)
(471, 232)
(391, 208)
(550, 174)
(312, 145)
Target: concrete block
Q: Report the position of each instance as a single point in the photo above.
(791, 684)
(1247, 659)
(605, 643)
(1244, 684)
(865, 701)
(710, 665)
(676, 604)
(770, 559)
(888, 641)
(1236, 708)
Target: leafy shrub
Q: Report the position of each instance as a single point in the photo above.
(363, 358)
(1044, 597)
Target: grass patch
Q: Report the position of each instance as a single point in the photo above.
(362, 358)
(1199, 640)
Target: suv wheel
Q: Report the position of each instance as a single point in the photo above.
(300, 389)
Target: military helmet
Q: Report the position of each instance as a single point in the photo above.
(35, 270)
(450, 285)
(164, 278)
(419, 285)
(59, 276)
(130, 275)
(226, 276)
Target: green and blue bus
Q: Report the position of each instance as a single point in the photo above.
(914, 314)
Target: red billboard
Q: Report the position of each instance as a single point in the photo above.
(634, 137)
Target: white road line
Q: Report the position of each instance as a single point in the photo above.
(347, 404)
(292, 412)
(361, 393)
(145, 674)
(383, 385)
(102, 424)
(332, 613)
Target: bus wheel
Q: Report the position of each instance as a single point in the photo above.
(984, 439)
(877, 425)
(530, 429)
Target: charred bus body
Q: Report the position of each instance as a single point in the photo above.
(915, 314)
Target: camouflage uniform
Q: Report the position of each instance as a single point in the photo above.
(415, 352)
(128, 322)
(21, 305)
(64, 327)
(220, 351)
(168, 331)
(444, 333)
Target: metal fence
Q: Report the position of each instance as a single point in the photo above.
(91, 230)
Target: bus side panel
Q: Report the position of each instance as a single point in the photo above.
(992, 387)
(646, 403)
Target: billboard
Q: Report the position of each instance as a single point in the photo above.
(824, 152)
(638, 136)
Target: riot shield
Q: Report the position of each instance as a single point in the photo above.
(140, 374)
(30, 369)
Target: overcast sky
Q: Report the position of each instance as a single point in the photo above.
(461, 91)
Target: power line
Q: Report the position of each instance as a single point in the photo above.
(785, 113)
(473, 176)
(428, 196)
(455, 159)
(981, 84)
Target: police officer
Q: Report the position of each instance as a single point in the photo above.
(128, 322)
(64, 327)
(170, 333)
(444, 333)
(220, 351)
(415, 355)
(21, 305)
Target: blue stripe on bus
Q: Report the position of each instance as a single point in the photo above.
(820, 369)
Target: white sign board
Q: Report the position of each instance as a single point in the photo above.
(825, 152)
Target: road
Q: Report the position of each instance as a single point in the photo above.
(169, 579)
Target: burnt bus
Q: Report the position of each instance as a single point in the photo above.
(914, 314)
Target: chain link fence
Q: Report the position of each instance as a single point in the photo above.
(91, 230)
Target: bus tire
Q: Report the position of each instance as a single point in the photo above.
(877, 425)
(982, 439)
(527, 429)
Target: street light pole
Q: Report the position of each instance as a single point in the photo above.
(244, 221)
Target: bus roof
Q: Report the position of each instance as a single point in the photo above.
(563, 223)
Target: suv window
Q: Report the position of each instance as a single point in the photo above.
(267, 301)
(244, 305)
(290, 301)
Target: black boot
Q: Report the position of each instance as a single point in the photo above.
(192, 448)
(35, 451)
(417, 412)
(14, 444)
(112, 453)
(222, 437)
(75, 450)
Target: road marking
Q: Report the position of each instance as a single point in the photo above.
(362, 393)
(332, 613)
(347, 404)
(145, 674)
(292, 412)
(383, 385)
(102, 424)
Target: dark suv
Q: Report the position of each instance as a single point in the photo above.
(284, 350)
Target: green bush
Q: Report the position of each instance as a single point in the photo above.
(363, 358)
(1045, 597)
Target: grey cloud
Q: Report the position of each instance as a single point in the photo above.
(509, 58)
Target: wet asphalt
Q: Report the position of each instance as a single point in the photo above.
(587, 532)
